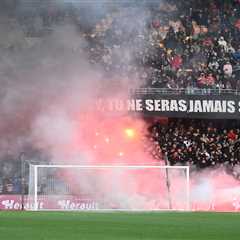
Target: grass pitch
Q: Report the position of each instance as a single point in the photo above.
(118, 226)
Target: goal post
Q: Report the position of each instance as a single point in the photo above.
(108, 187)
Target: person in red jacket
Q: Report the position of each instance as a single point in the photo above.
(176, 62)
(232, 135)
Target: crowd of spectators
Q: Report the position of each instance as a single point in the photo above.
(14, 169)
(198, 143)
(10, 176)
(175, 44)
(190, 44)
(166, 44)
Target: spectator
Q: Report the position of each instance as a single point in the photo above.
(227, 69)
(210, 80)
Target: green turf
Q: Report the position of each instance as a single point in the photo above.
(116, 226)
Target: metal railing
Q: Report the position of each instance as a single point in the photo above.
(185, 91)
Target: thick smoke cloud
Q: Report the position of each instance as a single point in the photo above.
(51, 74)
(54, 73)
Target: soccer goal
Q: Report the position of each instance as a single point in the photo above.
(125, 188)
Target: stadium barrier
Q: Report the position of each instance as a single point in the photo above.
(13, 202)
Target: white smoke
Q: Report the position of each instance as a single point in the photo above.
(43, 78)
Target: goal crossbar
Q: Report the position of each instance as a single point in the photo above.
(112, 166)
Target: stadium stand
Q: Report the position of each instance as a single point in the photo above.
(191, 44)
(184, 44)
(198, 143)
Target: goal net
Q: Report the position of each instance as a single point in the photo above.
(138, 188)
